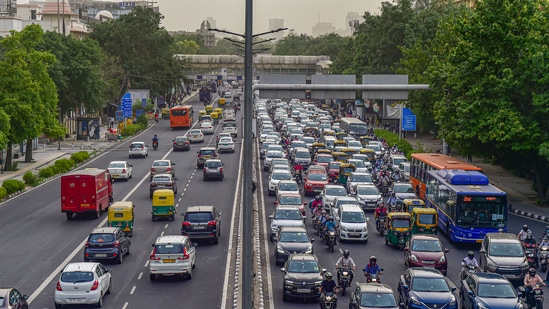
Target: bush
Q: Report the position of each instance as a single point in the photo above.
(3, 193)
(132, 129)
(29, 178)
(46, 172)
(142, 120)
(80, 156)
(13, 185)
(63, 165)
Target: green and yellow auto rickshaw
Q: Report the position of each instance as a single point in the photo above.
(163, 205)
(424, 221)
(340, 156)
(340, 136)
(215, 117)
(219, 112)
(209, 109)
(120, 215)
(165, 113)
(202, 112)
(221, 102)
(317, 146)
(398, 229)
(345, 171)
(409, 204)
(349, 151)
(369, 152)
(365, 140)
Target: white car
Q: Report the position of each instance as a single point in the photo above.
(330, 192)
(195, 136)
(287, 187)
(172, 255)
(83, 283)
(207, 128)
(269, 156)
(356, 145)
(368, 196)
(120, 170)
(138, 149)
(225, 144)
(276, 177)
(353, 224)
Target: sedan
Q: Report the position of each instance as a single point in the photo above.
(120, 170)
(488, 290)
(207, 128)
(425, 250)
(291, 240)
(181, 143)
(225, 144)
(195, 136)
(162, 181)
(424, 288)
(11, 298)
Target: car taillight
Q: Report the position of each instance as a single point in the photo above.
(185, 255)
(116, 244)
(153, 257)
(153, 170)
(186, 143)
(186, 223)
(204, 170)
(221, 170)
(215, 155)
(123, 170)
(87, 244)
(169, 169)
(210, 223)
(58, 286)
(199, 155)
(169, 184)
(95, 285)
(175, 143)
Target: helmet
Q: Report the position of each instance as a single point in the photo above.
(529, 234)
(373, 259)
(323, 211)
(328, 276)
(471, 254)
(532, 271)
(346, 253)
(331, 219)
(317, 197)
(525, 228)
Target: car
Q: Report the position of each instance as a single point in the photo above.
(287, 187)
(291, 199)
(120, 170)
(82, 283)
(162, 167)
(172, 255)
(220, 135)
(403, 190)
(357, 178)
(107, 243)
(425, 250)
(353, 224)
(360, 166)
(368, 196)
(280, 163)
(275, 177)
(333, 169)
(202, 222)
(269, 156)
(354, 144)
(302, 276)
(488, 290)
(291, 239)
(425, 287)
(11, 298)
(314, 183)
(225, 144)
(162, 181)
(396, 159)
(213, 168)
(195, 136)
(373, 295)
(204, 154)
(207, 127)
(503, 253)
(323, 159)
(330, 192)
(302, 156)
(138, 149)
(264, 148)
(182, 143)
(285, 216)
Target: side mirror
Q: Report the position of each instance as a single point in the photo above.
(153, 245)
(271, 216)
(275, 202)
(404, 287)
(482, 251)
(312, 240)
(453, 289)
(283, 269)
(109, 270)
(446, 250)
(173, 163)
(471, 293)
(195, 244)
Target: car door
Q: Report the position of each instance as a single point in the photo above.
(191, 250)
(16, 300)
(483, 252)
(100, 273)
(468, 285)
(405, 279)
(354, 300)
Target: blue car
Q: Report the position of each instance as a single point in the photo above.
(425, 288)
(488, 290)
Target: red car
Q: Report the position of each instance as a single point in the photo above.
(323, 159)
(425, 250)
(315, 183)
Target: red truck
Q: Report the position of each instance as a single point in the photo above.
(86, 191)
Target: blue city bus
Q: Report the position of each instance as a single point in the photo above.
(468, 206)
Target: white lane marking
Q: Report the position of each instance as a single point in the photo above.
(59, 268)
(231, 235)
(166, 226)
(146, 264)
(162, 234)
(133, 290)
(125, 305)
(140, 275)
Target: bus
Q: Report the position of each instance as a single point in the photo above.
(353, 126)
(181, 116)
(468, 206)
(205, 95)
(421, 163)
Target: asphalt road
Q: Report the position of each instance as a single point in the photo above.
(37, 240)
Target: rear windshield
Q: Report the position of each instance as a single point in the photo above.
(137, 146)
(77, 276)
(161, 163)
(98, 238)
(169, 249)
(198, 217)
(161, 178)
(213, 164)
(229, 124)
(112, 165)
(207, 152)
(179, 112)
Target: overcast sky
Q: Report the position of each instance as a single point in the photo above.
(300, 15)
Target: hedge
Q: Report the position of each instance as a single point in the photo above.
(13, 185)
(392, 139)
(80, 156)
(29, 178)
(3, 193)
(46, 172)
(63, 165)
(132, 129)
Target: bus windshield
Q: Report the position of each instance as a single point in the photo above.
(481, 214)
(358, 129)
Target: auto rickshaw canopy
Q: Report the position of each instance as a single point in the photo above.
(409, 204)
(209, 109)
(340, 156)
(120, 214)
(202, 112)
(346, 169)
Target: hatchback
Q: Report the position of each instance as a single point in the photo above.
(107, 243)
(83, 283)
(213, 168)
(162, 167)
(373, 295)
(202, 222)
(11, 298)
(162, 181)
(172, 255)
(425, 250)
(181, 143)
(138, 149)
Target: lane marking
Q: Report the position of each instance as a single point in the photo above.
(133, 290)
(125, 305)
(140, 275)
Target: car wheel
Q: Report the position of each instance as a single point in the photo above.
(205, 179)
(99, 303)
(190, 275)
(120, 257)
(129, 246)
(152, 277)
(57, 306)
(109, 290)
(215, 241)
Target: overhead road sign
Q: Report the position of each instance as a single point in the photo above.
(333, 80)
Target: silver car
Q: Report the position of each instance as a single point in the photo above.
(172, 255)
(207, 128)
(368, 196)
(83, 283)
(330, 192)
(162, 167)
(138, 149)
(357, 178)
(285, 216)
(120, 170)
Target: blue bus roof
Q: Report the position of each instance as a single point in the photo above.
(461, 177)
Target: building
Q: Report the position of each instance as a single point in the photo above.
(322, 28)
(274, 24)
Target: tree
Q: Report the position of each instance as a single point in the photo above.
(292, 44)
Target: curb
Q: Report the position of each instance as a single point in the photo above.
(529, 215)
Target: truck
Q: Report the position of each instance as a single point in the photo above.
(205, 94)
(86, 191)
(229, 126)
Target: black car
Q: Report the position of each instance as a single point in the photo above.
(202, 222)
(162, 181)
(302, 276)
(107, 243)
(181, 143)
(291, 240)
(488, 290)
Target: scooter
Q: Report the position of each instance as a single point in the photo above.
(380, 224)
(534, 298)
(543, 257)
(531, 254)
(344, 279)
(155, 145)
(466, 271)
(330, 238)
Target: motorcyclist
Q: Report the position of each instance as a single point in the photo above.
(392, 200)
(345, 261)
(469, 260)
(523, 233)
(328, 226)
(372, 268)
(328, 286)
(529, 238)
(318, 213)
(298, 170)
(317, 203)
(156, 116)
(155, 138)
(531, 280)
(544, 242)
(381, 210)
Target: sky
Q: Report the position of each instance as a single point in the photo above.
(299, 15)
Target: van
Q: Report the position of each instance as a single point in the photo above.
(502, 253)
(353, 223)
(86, 191)
(172, 255)
(396, 159)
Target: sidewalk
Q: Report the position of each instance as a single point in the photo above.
(522, 197)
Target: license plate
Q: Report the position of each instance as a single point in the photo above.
(304, 290)
(225, 145)
(168, 261)
(354, 234)
(101, 255)
(200, 227)
(115, 176)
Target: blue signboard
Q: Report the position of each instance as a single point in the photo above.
(219, 77)
(239, 77)
(127, 105)
(408, 120)
(119, 115)
(199, 77)
(139, 112)
(144, 102)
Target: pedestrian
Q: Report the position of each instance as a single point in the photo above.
(469, 158)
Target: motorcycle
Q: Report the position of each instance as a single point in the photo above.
(466, 270)
(372, 278)
(344, 279)
(534, 297)
(380, 224)
(530, 249)
(155, 145)
(298, 177)
(330, 239)
(156, 118)
(328, 301)
(543, 257)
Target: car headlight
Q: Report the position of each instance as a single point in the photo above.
(453, 301)
(365, 228)
(288, 282)
(413, 258)
(524, 265)
(309, 250)
(344, 228)
(481, 306)
(491, 264)
(442, 259)
(415, 301)
(279, 249)
(274, 228)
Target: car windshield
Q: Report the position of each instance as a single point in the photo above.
(426, 245)
(212, 164)
(353, 217)
(195, 132)
(303, 267)
(161, 178)
(225, 140)
(317, 177)
(366, 191)
(496, 290)
(421, 284)
(354, 144)
(302, 154)
(288, 186)
(336, 191)
(116, 165)
(77, 276)
(397, 161)
(274, 154)
(195, 217)
(357, 163)
(137, 146)
(403, 189)
(293, 237)
(281, 176)
(506, 249)
(427, 219)
(401, 223)
(266, 145)
(288, 214)
(334, 165)
(290, 200)
(206, 125)
(362, 178)
(377, 300)
(207, 152)
(324, 159)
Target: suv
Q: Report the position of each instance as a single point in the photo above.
(202, 222)
(204, 154)
(83, 283)
(487, 290)
(302, 276)
(172, 255)
(353, 224)
(107, 243)
(373, 295)
(213, 168)
(502, 253)
(138, 149)
(162, 167)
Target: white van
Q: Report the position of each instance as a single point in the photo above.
(353, 224)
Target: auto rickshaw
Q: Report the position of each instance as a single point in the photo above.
(340, 156)
(326, 151)
(424, 221)
(311, 131)
(120, 214)
(219, 112)
(409, 204)
(328, 132)
(202, 112)
(340, 135)
(340, 143)
(349, 151)
(398, 229)
(215, 117)
(166, 113)
(369, 152)
(345, 171)
(317, 146)
(221, 102)
(365, 140)
(209, 109)
(163, 205)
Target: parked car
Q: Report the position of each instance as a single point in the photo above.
(11, 298)
(120, 170)
(162, 181)
(291, 239)
(302, 276)
(488, 290)
(138, 149)
(425, 250)
(202, 222)
(195, 136)
(420, 286)
(213, 168)
(82, 283)
(162, 167)
(172, 255)
(373, 295)
(107, 243)
(181, 143)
